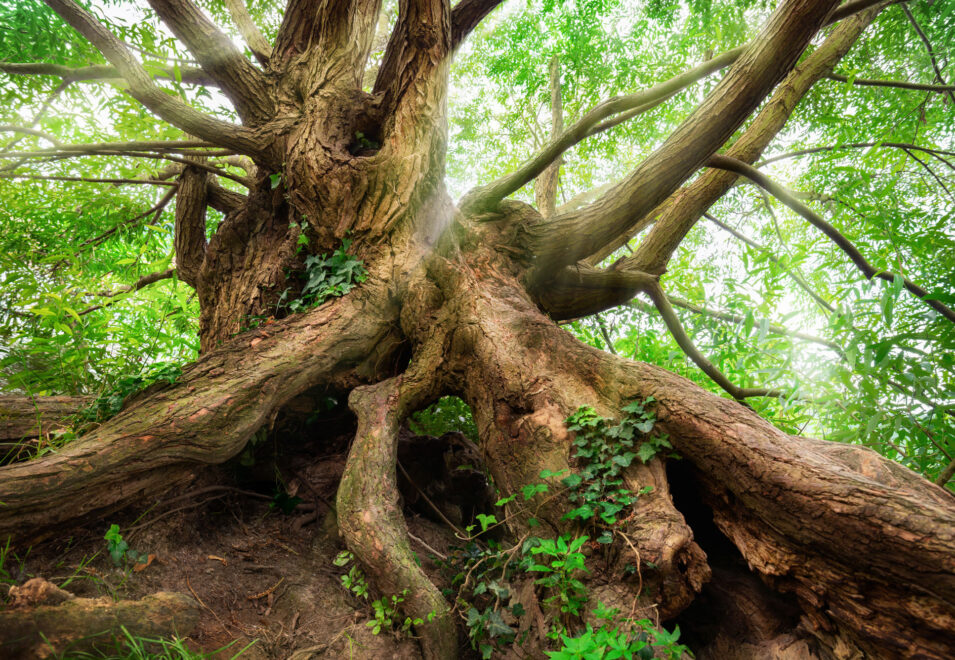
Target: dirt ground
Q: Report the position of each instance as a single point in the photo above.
(258, 573)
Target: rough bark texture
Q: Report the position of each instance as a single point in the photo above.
(28, 417)
(865, 548)
(82, 624)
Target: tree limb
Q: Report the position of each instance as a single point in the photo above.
(143, 281)
(466, 16)
(490, 194)
(250, 32)
(242, 83)
(190, 234)
(938, 89)
(843, 243)
(673, 324)
(928, 48)
(144, 89)
(96, 72)
(40, 177)
(730, 317)
(223, 199)
(938, 153)
(690, 203)
(25, 130)
(566, 239)
(545, 185)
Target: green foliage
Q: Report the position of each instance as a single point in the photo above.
(445, 415)
(110, 402)
(354, 580)
(133, 647)
(326, 277)
(119, 550)
(618, 638)
(560, 561)
(603, 450)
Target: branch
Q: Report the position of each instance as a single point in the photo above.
(844, 244)
(250, 32)
(190, 233)
(103, 72)
(690, 203)
(566, 239)
(143, 281)
(581, 290)
(40, 177)
(938, 89)
(796, 277)
(738, 319)
(144, 89)
(686, 344)
(159, 206)
(545, 186)
(928, 48)
(928, 169)
(938, 153)
(488, 195)
(466, 16)
(7, 128)
(245, 85)
(223, 199)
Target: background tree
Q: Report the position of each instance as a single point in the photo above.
(347, 129)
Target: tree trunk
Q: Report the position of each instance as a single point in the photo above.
(453, 305)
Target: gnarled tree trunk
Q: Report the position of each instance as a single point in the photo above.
(472, 294)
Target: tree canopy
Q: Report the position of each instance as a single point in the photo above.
(90, 290)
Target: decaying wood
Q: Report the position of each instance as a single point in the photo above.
(49, 622)
(23, 417)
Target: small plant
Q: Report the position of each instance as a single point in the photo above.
(605, 450)
(387, 618)
(110, 402)
(354, 580)
(621, 638)
(563, 561)
(488, 630)
(119, 550)
(326, 277)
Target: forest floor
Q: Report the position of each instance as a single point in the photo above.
(259, 574)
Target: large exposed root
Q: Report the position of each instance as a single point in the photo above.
(370, 517)
(867, 546)
(206, 417)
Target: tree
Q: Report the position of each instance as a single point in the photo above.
(346, 266)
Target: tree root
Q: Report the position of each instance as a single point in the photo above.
(205, 418)
(370, 517)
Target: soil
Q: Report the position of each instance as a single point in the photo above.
(264, 579)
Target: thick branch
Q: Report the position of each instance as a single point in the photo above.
(245, 85)
(223, 199)
(26, 130)
(190, 235)
(253, 36)
(843, 243)
(145, 90)
(369, 513)
(567, 239)
(689, 204)
(466, 16)
(206, 417)
(545, 186)
(41, 177)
